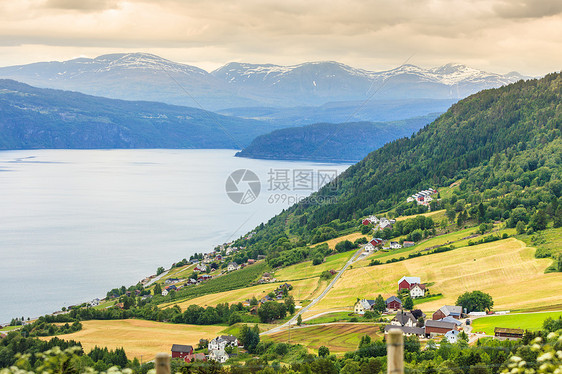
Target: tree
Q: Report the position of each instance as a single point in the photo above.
(299, 320)
(558, 217)
(380, 304)
(475, 301)
(538, 220)
(323, 351)
(290, 304)
(160, 270)
(408, 303)
(157, 289)
(249, 337)
(520, 227)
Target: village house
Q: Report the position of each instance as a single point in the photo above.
(452, 336)
(232, 266)
(204, 277)
(417, 290)
(164, 292)
(446, 311)
(406, 282)
(171, 280)
(404, 319)
(201, 268)
(395, 245)
(373, 243)
(393, 303)
(246, 303)
(95, 302)
(407, 244)
(434, 328)
(218, 356)
(223, 341)
(251, 261)
(180, 350)
(195, 357)
(363, 305)
(406, 330)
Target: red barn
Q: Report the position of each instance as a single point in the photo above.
(366, 222)
(434, 328)
(181, 351)
(406, 282)
(376, 241)
(393, 303)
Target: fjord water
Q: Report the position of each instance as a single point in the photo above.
(77, 223)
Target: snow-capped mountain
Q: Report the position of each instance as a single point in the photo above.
(141, 76)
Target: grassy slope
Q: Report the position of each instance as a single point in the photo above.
(339, 338)
(302, 290)
(139, 337)
(306, 269)
(506, 269)
(527, 321)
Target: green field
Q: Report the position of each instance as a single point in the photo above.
(339, 338)
(307, 270)
(525, 321)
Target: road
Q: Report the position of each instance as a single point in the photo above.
(293, 320)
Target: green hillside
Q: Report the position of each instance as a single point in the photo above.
(503, 147)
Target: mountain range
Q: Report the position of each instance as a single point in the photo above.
(141, 76)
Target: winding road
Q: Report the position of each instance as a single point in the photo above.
(293, 320)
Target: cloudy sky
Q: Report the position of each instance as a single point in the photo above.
(494, 35)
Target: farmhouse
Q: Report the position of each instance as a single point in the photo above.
(363, 305)
(218, 355)
(393, 303)
(434, 328)
(407, 244)
(404, 319)
(223, 341)
(179, 350)
(395, 245)
(201, 268)
(251, 261)
(376, 242)
(446, 311)
(406, 330)
(164, 292)
(417, 290)
(232, 266)
(195, 357)
(406, 282)
(501, 332)
(452, 336)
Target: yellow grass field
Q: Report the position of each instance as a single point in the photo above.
(139, 337)
(436, 214)
(339, 338)
(302, 290)
(351, 237)
(506, 269)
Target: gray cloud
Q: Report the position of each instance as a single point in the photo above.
(81, 5)
(528, 8)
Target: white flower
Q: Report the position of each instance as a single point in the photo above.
(545, 356)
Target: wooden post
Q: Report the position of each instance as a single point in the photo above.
(395, 352)
(162, 363)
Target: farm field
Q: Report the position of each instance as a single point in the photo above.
(436, 215)
(506, 269)
(306, 269)
(339, 338)
(302, 290)
(525, 321)
(351, 237)
(139, 337)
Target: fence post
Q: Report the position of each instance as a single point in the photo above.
(162, 363)
(395, 352)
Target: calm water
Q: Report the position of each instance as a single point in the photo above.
(76, 223)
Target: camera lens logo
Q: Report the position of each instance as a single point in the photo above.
(243, 186)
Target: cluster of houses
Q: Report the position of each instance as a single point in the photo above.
(216, 350)
(380, 223)
(413, 285)
(444, 322)
(423, 197)
(375, 243)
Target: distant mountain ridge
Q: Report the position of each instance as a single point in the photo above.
(34, 118)
(142, 76)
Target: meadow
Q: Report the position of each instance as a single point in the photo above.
(306, 269)
(139, 338)
(339, 338)
(506, 269)
(525, 321)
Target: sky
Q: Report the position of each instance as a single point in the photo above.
(493, 35)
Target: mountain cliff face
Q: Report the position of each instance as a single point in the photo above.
(141, 76)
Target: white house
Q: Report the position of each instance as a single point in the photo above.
(95, 302)
(218, 355)
(363, 305)
(232, 266)
(369, 247)
(164, 292)
(404, 319)
(201, 268)
(223, 341)
(452, 336)
(395, 245)
(417, 290)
